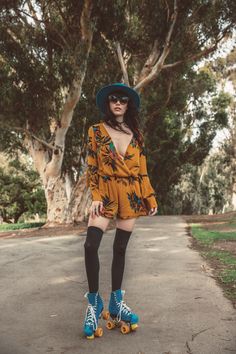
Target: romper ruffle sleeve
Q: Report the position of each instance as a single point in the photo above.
(147, 190)
(92, 166)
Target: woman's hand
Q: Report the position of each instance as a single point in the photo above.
(96, 208)
(152, 211)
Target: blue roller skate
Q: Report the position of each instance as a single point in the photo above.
(121, 314)
(93, 313)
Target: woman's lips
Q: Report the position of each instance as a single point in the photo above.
(117, 109)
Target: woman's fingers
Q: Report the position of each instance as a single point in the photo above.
(96, 208)
(153, 211)
(100, 207)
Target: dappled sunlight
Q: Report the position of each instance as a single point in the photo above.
(55, 238)
(158, 238)
(177, 251)
(8, 245)
(29, 241)
(154, 249)
(141, 277)
(66, 279)
(60, 280)
(143, 228)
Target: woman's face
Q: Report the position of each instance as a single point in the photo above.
(118, 103)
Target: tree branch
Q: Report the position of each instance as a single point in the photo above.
(169, 87)
(192, 57)
(28, 133)
(159, 64)
(85, 20)
(33, 13)
(20, 46)
(75, 88)
(44, 143)
(168, 11)
(109, 43)
(49, 26)
(122, 64)
(63, 17)
(201, 54)
(151, 60)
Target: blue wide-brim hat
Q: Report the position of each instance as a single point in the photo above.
(102, 94)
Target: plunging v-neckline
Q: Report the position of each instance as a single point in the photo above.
(123, 156)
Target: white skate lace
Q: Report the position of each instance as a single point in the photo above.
(123, 308)
(90, 316)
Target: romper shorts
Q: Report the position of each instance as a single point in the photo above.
(121, 197)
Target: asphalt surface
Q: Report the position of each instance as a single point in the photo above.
(180, 306)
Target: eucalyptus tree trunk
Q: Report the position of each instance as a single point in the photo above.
(67, 202)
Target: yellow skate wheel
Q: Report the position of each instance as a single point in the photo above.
(110, 325)
(125, 329)
(134, 326)
(105, 315)
(90, 337)
(98, 332)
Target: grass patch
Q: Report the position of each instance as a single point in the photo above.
(224, 257)
(9, 227)
(223, 261)
(207, 237)
(228, 276)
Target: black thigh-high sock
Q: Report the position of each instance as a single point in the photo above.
(118, 262)
(91, 245)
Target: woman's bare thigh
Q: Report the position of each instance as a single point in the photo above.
(126, 224)
(99, 221)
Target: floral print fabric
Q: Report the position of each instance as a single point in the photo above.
(120, 182)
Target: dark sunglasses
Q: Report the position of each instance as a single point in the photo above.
(122, 100)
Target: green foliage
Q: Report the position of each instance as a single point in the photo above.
(19, 226)
(181, 135)
(204, 189)
(20, 192)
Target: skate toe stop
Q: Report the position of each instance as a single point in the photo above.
(134, 326)
(90, 337)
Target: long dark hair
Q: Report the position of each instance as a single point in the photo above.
(131, 118)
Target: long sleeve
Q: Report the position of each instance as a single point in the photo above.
(92, 166)
(147, 190)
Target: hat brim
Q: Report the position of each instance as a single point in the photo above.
(102, 94)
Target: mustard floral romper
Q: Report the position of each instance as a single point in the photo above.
(121, 183)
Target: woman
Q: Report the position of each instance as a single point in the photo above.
(119, 184)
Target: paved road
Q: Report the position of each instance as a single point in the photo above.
(181, 308)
